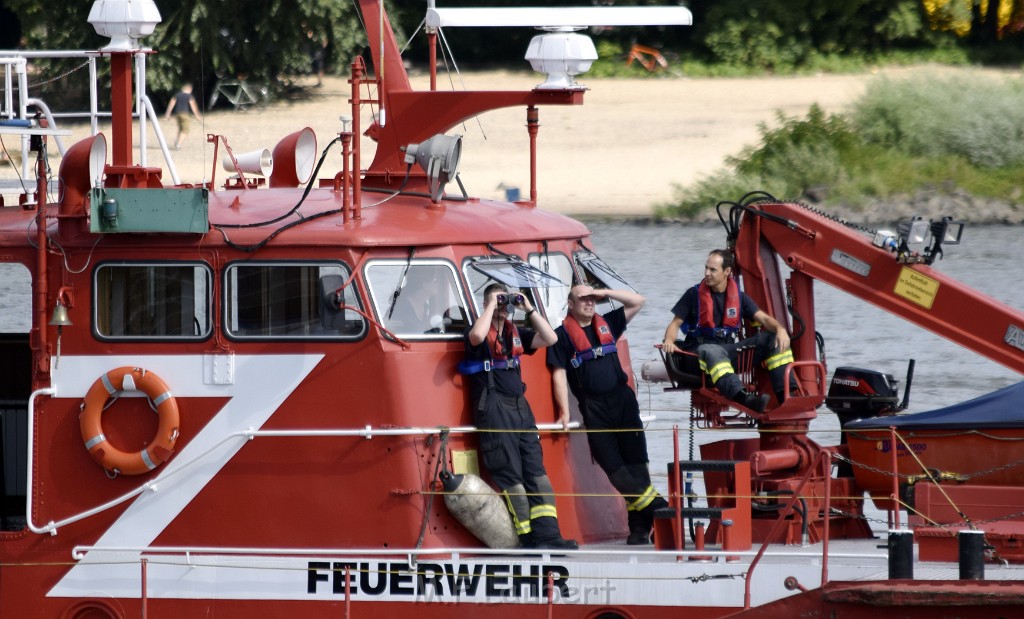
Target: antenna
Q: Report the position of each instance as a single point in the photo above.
(562, 53)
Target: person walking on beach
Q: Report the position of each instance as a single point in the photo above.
(182, 105)
(585, 360)
(509, 443)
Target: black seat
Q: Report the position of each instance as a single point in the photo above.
(707, 405)
(679, 377)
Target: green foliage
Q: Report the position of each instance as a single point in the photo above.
(199, 41)
(978, 118)
(269, 41)
(801, 157)
(688, 202)
(965, 133)
(902, 23)
(261, 40)
(747, 43)
(796, 142)
(780, 35)
(611, 61)
(950, 16)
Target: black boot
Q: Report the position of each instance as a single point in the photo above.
(658, 503)
(641, 526)
(639, 529)
(546, 535)
(753, 401)
(526, 540)
(557, 543)
(639, 537)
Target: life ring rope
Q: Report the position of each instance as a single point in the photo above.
(103, 394)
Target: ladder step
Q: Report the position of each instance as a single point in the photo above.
(688, 512)
(725, 466)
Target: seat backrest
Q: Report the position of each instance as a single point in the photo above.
(680, 377)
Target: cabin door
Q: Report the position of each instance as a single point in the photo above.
(15, 387)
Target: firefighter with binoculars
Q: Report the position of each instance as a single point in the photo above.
(509, 444)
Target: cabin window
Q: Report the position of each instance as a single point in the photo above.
(418, 299)
(482, 271)
(16, 283)
(597, 274)
(152, 301)
(554, 297)
(291, 300)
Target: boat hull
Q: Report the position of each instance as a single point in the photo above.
(979, 457)
(436, 583)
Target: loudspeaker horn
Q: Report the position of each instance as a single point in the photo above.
(294, 158)
(253, 162)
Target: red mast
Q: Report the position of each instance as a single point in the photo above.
(411, 117)
(125, 23)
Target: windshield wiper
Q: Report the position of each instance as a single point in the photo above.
(401, 283)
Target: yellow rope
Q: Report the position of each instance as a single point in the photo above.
(937, 484)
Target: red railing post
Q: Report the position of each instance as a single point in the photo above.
(827, 458)
(677, 491)
(895, 518)
(357, 69)
(776, 527)
(144, 595)
(532, 127)
(348, 592)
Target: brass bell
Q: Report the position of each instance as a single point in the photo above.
(60, 316)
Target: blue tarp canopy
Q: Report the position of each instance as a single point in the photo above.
(1000, 409)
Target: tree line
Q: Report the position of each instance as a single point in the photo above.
(270, 41)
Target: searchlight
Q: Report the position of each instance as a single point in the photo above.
(920, 240)
(439, 157)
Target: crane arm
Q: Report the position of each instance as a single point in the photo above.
(818, 247)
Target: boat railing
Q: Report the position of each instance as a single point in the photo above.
(15, 65)
(188, 553)
(177, 466)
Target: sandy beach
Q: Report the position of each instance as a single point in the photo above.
(618, 154)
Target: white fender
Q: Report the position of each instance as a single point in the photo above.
(480, 510)
(653, 371)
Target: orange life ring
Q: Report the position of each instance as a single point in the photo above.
(160, 397)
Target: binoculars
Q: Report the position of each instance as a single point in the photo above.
(510, 299)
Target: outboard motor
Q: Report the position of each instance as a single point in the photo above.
(856, 393)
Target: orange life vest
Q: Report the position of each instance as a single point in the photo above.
(500, 359)
(731, 313)
(584, 351)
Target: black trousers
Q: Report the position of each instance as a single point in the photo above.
(621, 451)
(509, 443)
(712, 353)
